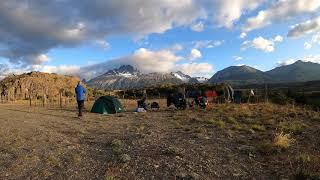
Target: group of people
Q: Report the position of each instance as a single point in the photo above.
(174, 101)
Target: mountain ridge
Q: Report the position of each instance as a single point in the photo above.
(127, 77)
(300, 71)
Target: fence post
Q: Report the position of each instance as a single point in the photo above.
(266, 100)
(60, 99)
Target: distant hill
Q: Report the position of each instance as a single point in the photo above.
(127, 77)
(298, 72)
(38, 84)
(240, 75)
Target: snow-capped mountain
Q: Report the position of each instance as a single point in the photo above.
(201, 79)
(127, 77)
(185, 78)
(125, 71)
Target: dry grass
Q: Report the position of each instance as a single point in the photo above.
(283, 141)
(258, 127)
(223, 142)
(293, 127)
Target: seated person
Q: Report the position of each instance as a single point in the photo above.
(142, 103)
(170, 99)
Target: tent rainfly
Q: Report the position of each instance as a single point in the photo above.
(107, 105)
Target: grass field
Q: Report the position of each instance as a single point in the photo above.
(264, 141)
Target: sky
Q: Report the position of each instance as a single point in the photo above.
(198, 37)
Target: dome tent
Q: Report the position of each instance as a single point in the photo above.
(107, 105)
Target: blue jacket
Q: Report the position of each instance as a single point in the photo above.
(80, 91)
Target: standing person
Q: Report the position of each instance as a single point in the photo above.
(80, 94)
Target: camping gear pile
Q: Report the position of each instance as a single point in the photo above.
(178, 100)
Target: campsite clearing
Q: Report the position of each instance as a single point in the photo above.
(264, 141)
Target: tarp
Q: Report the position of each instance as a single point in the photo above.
(107, 105)
(211, 94)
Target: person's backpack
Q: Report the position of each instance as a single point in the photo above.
(155, 106)
(203, 102)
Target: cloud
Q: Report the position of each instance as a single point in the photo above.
(228, 12)
(314, 40)
(61, 69)
(102, 44)
(196, 69)
(31, 28)
(40, 59)
(309, 58)
(304, 28)
(199, 27)
(307, 45)
(195, 54)
(145, 60)
(280, 11)
(3, 70)
(285, 62)
(262, 44)
(207, 44)
(237, 58)
(176, 48)
(312, 58)
(243, 35)
(278, 39)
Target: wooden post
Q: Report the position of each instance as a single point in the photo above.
(60, 99)
(30, 102)
(266, 94)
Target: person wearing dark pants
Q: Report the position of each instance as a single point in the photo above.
(80, 95)
(80, 107)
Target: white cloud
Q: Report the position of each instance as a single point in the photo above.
(61, 69)
(237, 58)
(309, 58)
(228, 12)
(195, 54)
(199, 27)
(285, 62)
(196, 69)
(304, 28)
(262, 44)
(27, 29)
(280, 11)
(312, 58)
(176, 47)
(307, 45)
(40, 59)
(243, 35)
(278, 39)
(102, 44)
(207, 44)
(314, 40)
(147, 61)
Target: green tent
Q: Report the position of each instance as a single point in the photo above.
(107, 105)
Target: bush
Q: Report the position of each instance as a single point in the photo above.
(283, 140)
(280, 98)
